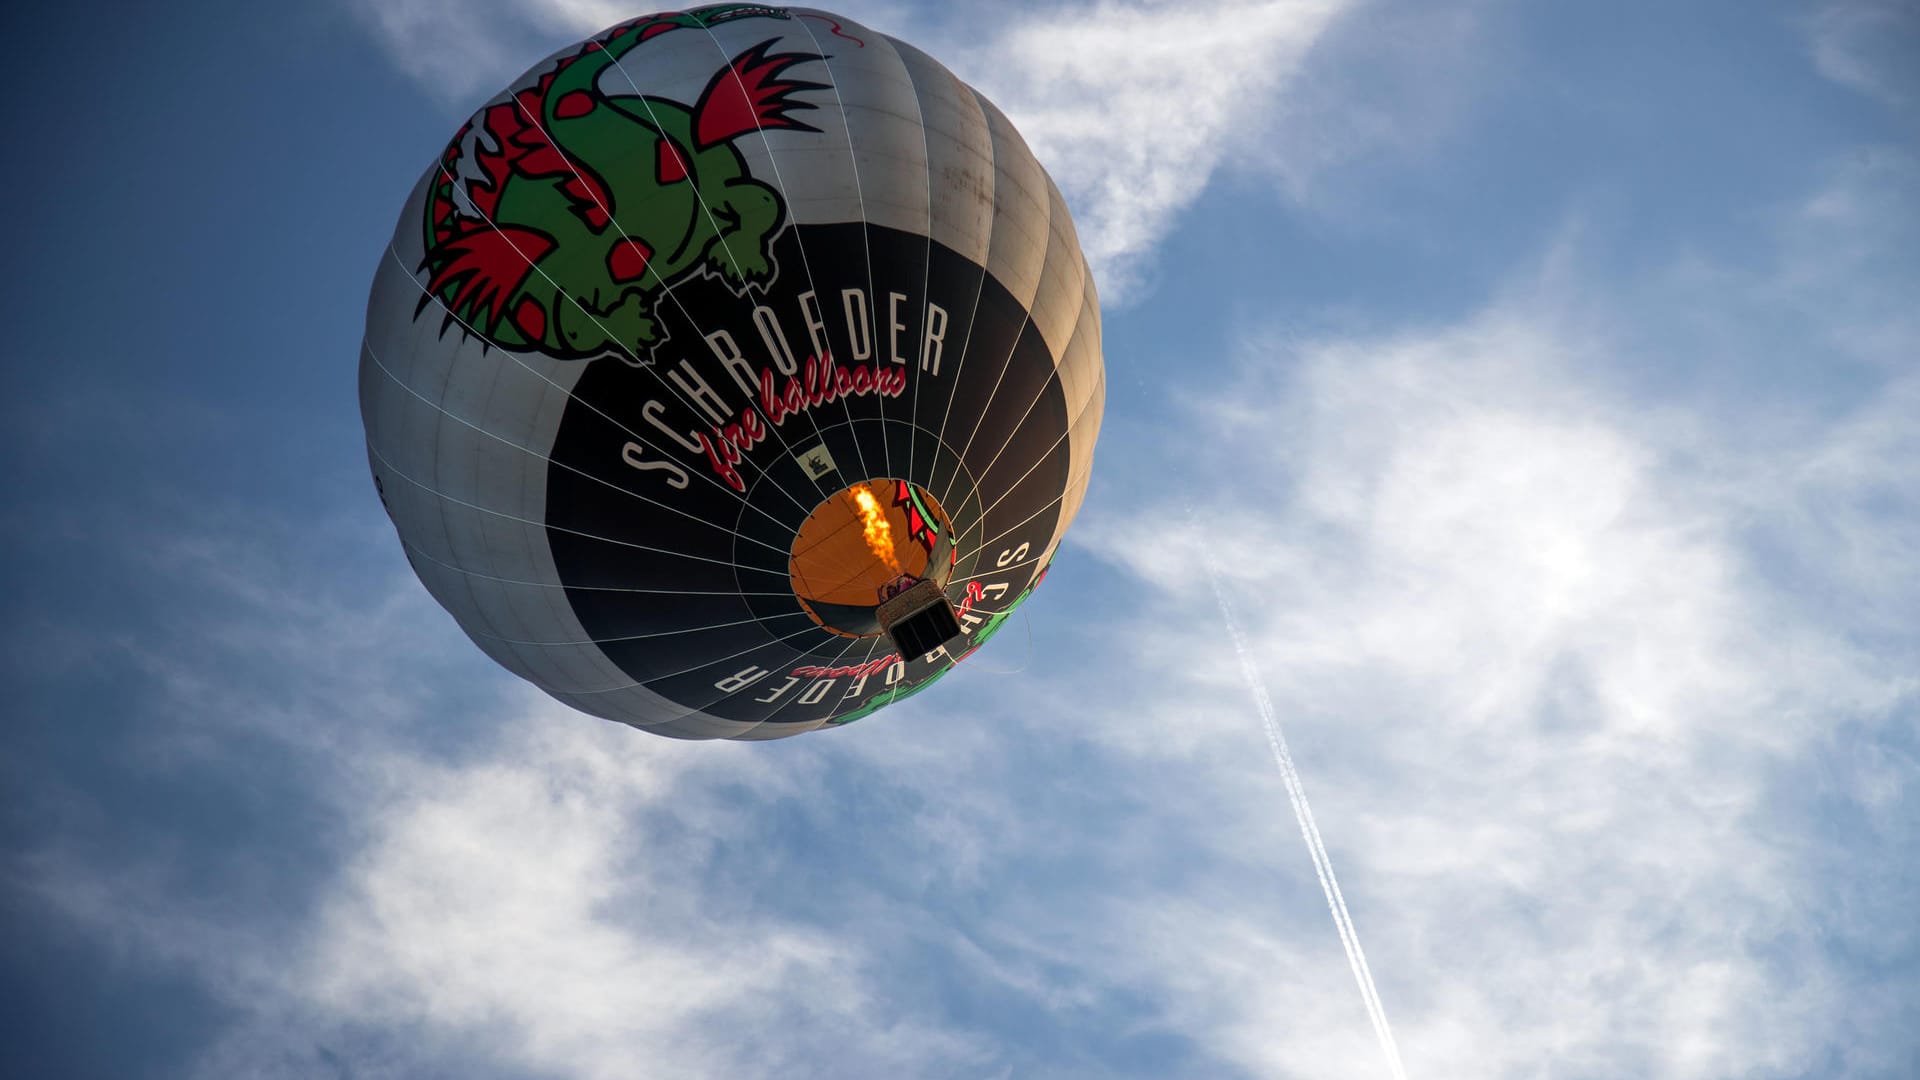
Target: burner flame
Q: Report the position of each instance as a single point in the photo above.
(878, 532)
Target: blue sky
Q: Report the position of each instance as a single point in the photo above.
(1546, 382)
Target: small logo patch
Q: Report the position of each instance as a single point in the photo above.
(816, 461)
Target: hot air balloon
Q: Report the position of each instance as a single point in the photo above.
(733, 373)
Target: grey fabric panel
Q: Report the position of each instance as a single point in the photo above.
(1057, 302)
(959, 157)
(1018, 254)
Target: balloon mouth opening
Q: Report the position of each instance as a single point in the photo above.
(865, 545)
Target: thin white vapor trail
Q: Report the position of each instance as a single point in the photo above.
(1297, 794)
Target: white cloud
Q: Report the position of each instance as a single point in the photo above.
(1872, 46)
(553, 903)
(1133, 107)
(462, 50)
(550, 896)
(1540, 702)
(1547, 656)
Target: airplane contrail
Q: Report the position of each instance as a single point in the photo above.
(1297, 794)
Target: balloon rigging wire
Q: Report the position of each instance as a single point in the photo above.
(859, 192)
(926, 262)
(667, 287)
(443, 411)
(1303, 813)
(1039, 460)
(534, 265)
(415, 550)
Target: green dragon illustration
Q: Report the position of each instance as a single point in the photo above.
(560, 227)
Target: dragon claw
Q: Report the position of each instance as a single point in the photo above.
(744, 269)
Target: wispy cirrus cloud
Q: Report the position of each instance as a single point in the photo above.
(461, 52)
(1133, 107)
(1542, 698)
(556, 904)
(1872, 46)
(1567, 696)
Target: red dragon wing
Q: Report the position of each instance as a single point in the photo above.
(481, 270)
(749, 95)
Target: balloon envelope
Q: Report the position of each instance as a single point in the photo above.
(708, 336)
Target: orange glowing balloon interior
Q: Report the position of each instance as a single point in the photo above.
(855, 544)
